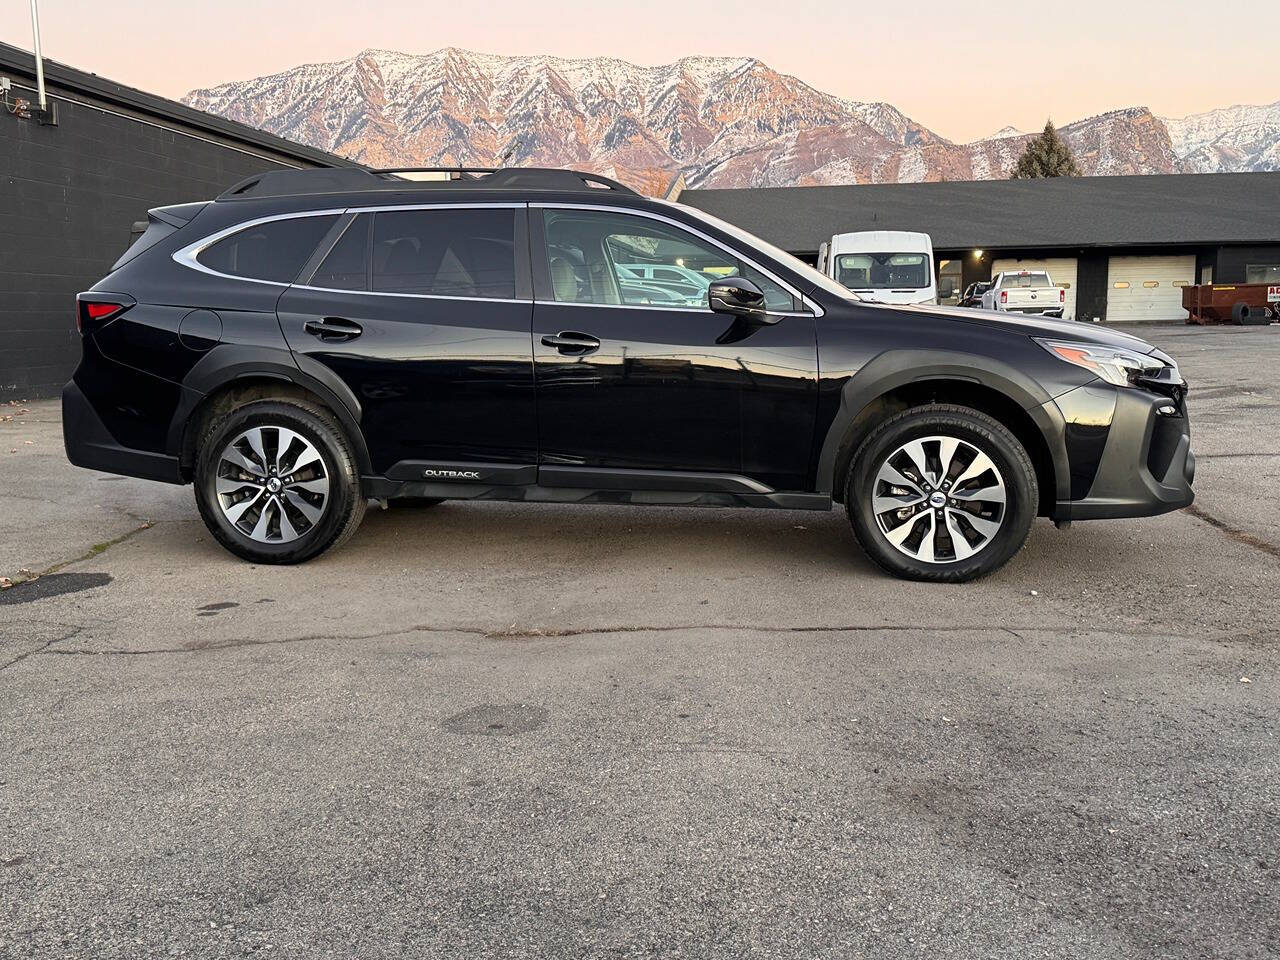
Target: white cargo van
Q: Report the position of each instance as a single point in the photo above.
(891, 266)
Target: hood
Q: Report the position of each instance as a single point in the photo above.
(1032, 326)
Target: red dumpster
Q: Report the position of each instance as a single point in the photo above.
(1237, 303)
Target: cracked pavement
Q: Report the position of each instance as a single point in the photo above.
(556, 731)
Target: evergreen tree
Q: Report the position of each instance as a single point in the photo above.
(1046, 156)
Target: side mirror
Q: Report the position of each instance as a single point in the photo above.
(738, 296)
(946, 290)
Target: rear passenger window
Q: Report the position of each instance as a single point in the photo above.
(275, 250)
(347, 265)
(446, 253)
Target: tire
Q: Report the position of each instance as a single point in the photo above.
(316, 503)
(414, 503)
(951, 526)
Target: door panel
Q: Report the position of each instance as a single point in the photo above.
(440, 378)
(668, 388)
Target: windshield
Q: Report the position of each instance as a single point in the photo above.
(805, 272)
(1035, 280)
(883, 271)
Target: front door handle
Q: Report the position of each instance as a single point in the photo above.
(333, 329)
(572, 344)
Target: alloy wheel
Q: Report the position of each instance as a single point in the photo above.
(939, 499)
(271, 484)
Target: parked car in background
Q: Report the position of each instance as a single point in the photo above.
(314, 338)
(885, 266)
(972, 296)
(1027, 291)
(666, 279)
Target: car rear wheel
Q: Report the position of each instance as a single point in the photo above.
(941, 493)
(276, 482)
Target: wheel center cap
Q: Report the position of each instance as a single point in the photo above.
(273, 485)
(937, 499)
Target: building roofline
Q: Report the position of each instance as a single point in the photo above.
(1179, 179)
(1186, 209)
(21, 63)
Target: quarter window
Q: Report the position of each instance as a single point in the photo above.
(275, 250)
(608, 258)
(446, 253)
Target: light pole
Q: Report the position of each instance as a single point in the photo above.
(35, 33)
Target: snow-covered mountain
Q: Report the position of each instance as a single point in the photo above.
(722, 121)
(1234, 138)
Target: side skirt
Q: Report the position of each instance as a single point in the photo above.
(563, 484)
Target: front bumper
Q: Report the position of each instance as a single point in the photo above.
(1145, 466)
(90, 444)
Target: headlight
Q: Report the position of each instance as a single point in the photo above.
(1113, 364)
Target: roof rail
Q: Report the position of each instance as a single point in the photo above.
(454, 173)
(282, 183)
(548, 178)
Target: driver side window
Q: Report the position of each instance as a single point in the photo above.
(615, 258)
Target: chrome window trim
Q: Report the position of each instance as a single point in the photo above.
(815, 309)
(188, 255)
(666, 308)
(415, 296)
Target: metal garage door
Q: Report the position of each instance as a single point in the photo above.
(1148, 288)
(1061, 271)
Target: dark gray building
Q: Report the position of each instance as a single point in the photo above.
(70, 192)
(1124, 246)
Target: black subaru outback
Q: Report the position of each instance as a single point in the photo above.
(314, 339)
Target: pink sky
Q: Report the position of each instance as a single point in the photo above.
(964, 70)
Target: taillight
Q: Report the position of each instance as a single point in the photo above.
(93, 310)
(1004, 296)
(1062, 296)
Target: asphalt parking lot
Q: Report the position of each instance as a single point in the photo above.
(553, 731)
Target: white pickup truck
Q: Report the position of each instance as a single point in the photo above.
(1025, 291)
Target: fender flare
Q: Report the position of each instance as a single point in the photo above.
(897, 368)
(230, 363)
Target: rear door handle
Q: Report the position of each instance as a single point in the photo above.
(572, 344)
(333, 329)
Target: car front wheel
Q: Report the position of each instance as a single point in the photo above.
(941, 493)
